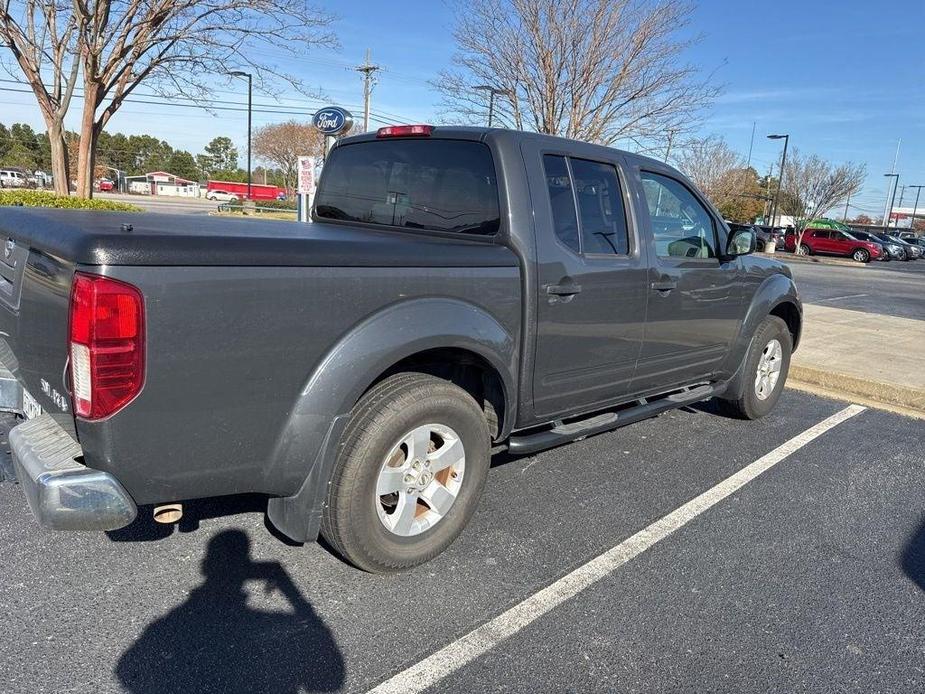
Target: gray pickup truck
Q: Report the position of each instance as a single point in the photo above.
(460, 290)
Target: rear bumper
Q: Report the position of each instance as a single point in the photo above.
(63, 493)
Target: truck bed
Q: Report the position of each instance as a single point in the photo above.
(102, 238)
(240, 313)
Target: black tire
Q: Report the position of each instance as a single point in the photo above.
(395, 406)
(806, 250)
(749, 405)
(861, 255)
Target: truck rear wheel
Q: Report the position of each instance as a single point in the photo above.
(413, 463)
(766, 366)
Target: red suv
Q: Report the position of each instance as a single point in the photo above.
(833, 242)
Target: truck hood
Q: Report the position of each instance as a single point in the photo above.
(118, 238)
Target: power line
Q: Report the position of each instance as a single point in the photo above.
(226, 105)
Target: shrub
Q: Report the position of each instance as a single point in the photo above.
(44, 198)
(276, 204)
(261, 205)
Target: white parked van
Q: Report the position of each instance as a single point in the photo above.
(12, 179)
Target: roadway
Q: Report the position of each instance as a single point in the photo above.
(798, 568)
(894, 289)
(164, 204)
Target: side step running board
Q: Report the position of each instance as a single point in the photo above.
(574, 431)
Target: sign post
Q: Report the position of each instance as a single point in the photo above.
(306, 187)
(330, 122)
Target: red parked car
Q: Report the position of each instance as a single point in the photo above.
(833, 242)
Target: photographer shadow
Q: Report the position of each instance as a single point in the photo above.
(913, 557)
(216, 642)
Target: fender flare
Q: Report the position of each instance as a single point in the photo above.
(775, 290)
(305, 453)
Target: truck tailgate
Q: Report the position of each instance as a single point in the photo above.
(34, 297)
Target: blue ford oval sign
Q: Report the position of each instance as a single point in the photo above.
(333, 120)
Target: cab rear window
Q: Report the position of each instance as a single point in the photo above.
(440, 185)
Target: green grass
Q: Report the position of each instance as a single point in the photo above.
(43, 198)
(277, 214)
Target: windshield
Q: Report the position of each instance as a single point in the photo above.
(442, 185)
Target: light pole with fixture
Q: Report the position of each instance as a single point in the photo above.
(780, 180)
(915, 208)
(491, 98)
(239, 73)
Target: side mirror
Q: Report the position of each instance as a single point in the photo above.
(741, 242)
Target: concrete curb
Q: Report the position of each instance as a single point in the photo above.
(820, 260)
(896, 398)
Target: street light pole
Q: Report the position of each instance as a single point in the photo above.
(780, 181)
(250, 94)
(891, 198)
(491, 99)
(915, 208)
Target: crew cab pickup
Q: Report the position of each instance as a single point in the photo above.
(459, 291)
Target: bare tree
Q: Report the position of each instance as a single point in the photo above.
(711, 164)
(282, 144)
(594, 70)
(175, 47)
(42, 37)
(813, 186)
(721, 174)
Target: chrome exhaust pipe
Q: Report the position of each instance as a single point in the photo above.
(168, 513)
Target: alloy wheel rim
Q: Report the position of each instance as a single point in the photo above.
(769, 367)
(420, 479)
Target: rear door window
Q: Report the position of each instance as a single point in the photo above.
(441, 185)
(561, 200)
(600, 206)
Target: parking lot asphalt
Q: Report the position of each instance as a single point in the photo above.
(164, 204)
(811, 577)
(893, 289)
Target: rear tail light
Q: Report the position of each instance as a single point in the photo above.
(405, 131)
(107, 345)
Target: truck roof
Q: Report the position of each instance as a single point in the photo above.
(482, 134)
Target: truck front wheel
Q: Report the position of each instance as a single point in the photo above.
(766, 366)
(413, 462)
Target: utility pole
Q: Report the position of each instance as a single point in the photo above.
(751, 145)
(671, 134)
(902, 194)
(368, 71)
(845, 218)
(250, 110)
(768, 199)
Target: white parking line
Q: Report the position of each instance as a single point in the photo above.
(482, 639)
(840, 298)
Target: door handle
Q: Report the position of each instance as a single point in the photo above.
(664, 285)
(563, 289)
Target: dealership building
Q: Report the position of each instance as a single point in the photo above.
(162, 183)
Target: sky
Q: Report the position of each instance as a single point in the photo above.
(845, 79)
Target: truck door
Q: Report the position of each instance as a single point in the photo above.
(591, 281)
(695, 299)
